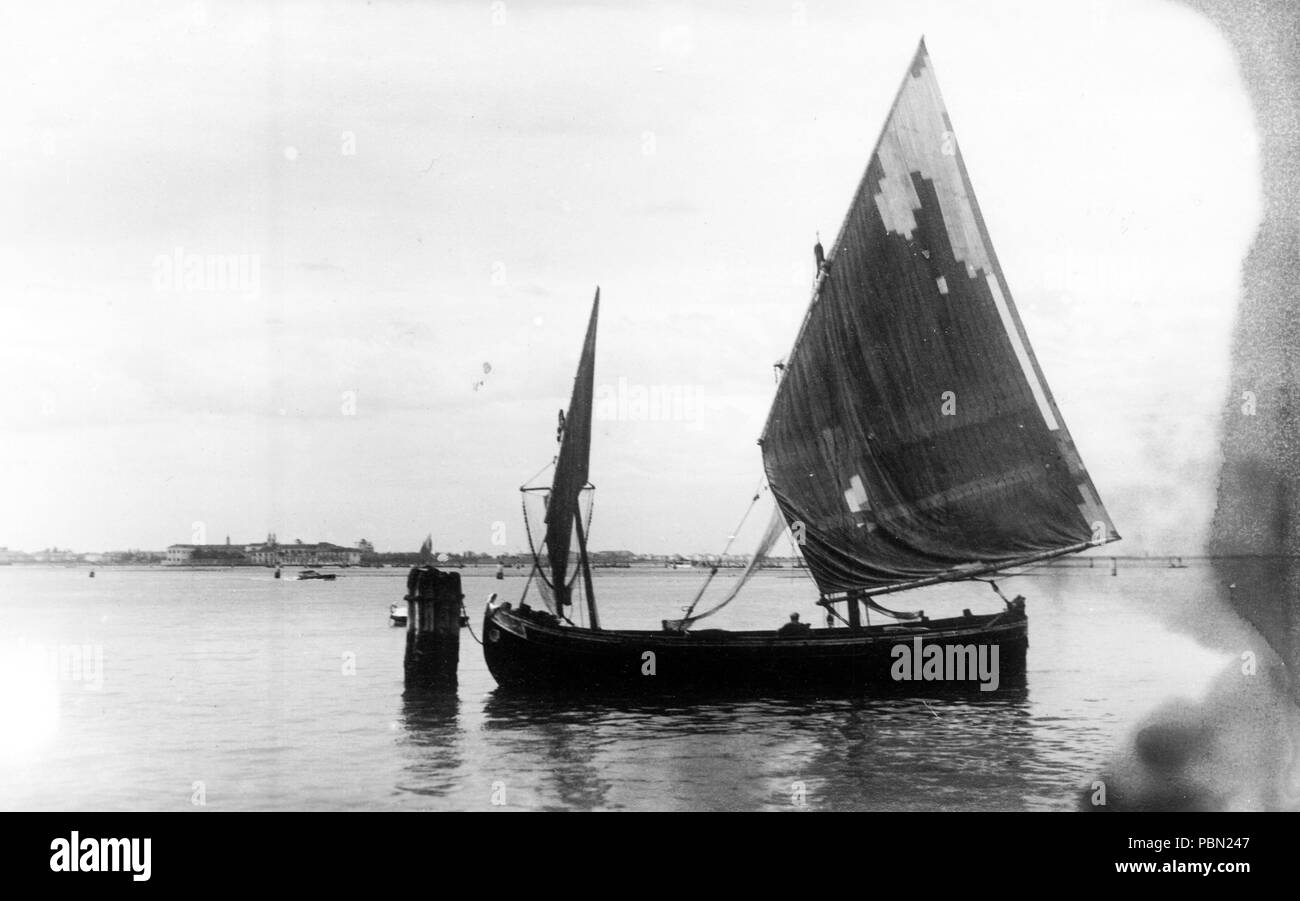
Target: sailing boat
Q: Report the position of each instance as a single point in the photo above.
(912, 441)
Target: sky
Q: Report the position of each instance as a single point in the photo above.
(324, 269)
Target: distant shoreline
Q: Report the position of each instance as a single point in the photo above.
(786, 564)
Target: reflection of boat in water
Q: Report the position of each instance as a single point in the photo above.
(912, 441)
(308, 574)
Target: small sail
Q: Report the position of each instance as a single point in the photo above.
(913, 438)
(571, 465)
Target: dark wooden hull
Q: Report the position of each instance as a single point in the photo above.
(526, 650)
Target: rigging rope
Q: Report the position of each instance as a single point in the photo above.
(994, 585)
(774, 529)
(524, 596)
(896, 614)
(714, 569)
(536, 474)
(533, 547)
(469, 623)
(831, 611)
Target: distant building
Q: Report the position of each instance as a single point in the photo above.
(136, 557)
(266, 553)
(54, 555)
(298, 554)
(205, 555)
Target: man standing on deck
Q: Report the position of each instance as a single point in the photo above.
(794, 627)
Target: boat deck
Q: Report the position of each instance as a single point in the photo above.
(529, 648)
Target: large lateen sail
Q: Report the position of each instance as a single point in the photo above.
(913, 437)
(571, 465)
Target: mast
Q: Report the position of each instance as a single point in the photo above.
(913, 437)
(570, 478)
(585, 563)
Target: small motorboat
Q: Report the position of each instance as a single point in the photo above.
(312, 574)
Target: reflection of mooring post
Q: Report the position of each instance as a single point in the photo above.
(432, 626)
(1114, 566)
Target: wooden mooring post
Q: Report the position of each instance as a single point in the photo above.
(433, 602)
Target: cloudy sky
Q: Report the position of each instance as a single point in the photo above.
(420, 199)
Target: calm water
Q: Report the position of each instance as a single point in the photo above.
(289, 695)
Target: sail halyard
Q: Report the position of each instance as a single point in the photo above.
(570, 477)
(913, 438)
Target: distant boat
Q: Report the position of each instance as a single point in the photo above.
(501, 571)
(92, 574)
(1177, 563)
(912, 441)
(308, 574)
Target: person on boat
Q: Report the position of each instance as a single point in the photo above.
(794, 627)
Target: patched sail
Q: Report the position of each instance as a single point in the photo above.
(571, 465)
(913, 437)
